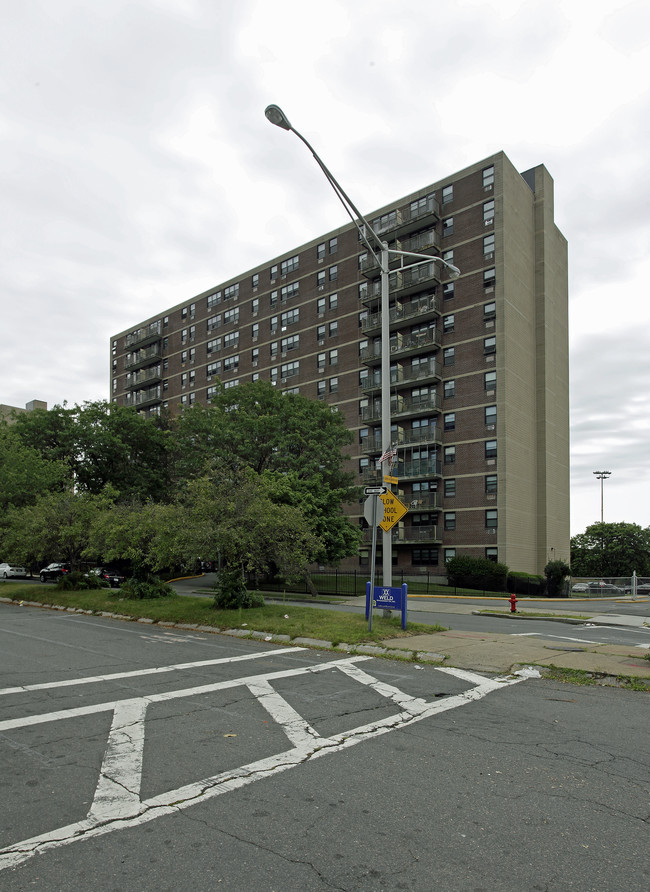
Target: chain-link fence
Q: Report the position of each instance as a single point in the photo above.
(608, 586)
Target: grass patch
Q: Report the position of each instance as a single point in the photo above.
(582, 677)
(274, 619)
(520, 614)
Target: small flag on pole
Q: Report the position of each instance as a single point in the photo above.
(388, 455)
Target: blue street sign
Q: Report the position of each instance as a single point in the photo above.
(388, 598)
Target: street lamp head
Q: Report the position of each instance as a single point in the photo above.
(276, 116)
(453, 271)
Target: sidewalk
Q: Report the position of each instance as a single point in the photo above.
(496, 652)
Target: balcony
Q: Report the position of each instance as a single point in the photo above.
(421, 436)
(402, 406)
(143, 357)
(417, 215)
(420, 467)
(406, 281)
(407, 534)
(144, 397)
(422, 309)
(425, 501)
(143, 336)
(146, 376)
(403, 347)
(429, 373)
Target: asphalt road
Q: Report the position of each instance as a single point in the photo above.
(138, 758)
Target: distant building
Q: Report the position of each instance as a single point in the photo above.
(479, 366)
(7, 411)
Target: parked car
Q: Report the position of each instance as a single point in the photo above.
(110, 575)
(580, 587)
(7, 570)
(54, 571)
(605, 588)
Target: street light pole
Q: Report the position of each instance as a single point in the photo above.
(602, 476)
(382, 253)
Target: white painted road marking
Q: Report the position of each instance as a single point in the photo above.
(117, 804)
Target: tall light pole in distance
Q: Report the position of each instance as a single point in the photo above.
(382, 253)
(602, 476)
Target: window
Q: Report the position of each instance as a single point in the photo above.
(424, 557)
(450, 487)
(488, 211)
(364, 463)
(320, 333)
(320, 388)
(490, 448)
(289, 369)
(364, 377)
(255, 330)
(450, 421)
(290, 343)
(211, 392)
(386, 221)
(214, 299)
(192, 353)
(184, 312)
(165, 324)
(273, 299)
(255, 280)
(290, 265)
(448, 290)
(213, 346)
(448, 323)
(491, 484)
(333, 329)
(491, 518)
(362, 259)
(489, 345)
(333, 273)
(213, 368)
(490, 380)
(488, 176)
(333, 301)
(489, 277)
(491, 415)
(447, 194)
(450, 520)
(273, 348)
(192, 332)
(255, 356)
(274, 272)
(231, 340)
(290, 317)
(231, 292)
(192, 311)
(273, 322)
(489, 310)
(214, 322)
(231, 364)
(184, 357)
(320, 306)
(334, 385)
(449, 356)
(320, 278)
(363, 290)
(320, 251)
(231, 317)
(449, 389)
(447, 226)
(450, 554)
(488, 245)
(334, 357)
(288, 291)
(334, 245)
(492, 554)
(448, 255)
(320, 362)
(450, 455)
(184, 336)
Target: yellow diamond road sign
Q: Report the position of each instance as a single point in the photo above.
(394, 510)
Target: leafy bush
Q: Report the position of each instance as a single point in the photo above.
(79, 582)
(231, 592)
(525, 583)
(479, 573)
(556, 572)
(151, 587)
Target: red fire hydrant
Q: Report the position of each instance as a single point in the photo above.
(513, 603)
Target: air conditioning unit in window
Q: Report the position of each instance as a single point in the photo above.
(283, 380)
(487, 188)
(489, 221)
(490, 427)
(488, 256)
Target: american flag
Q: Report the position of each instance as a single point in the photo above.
(389, 455)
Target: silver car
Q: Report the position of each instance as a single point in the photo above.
(7, 570)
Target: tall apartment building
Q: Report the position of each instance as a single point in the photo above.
(479, 365)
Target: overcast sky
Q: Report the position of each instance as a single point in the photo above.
(137, 170)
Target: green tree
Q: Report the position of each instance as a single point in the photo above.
(294, 444)
(556, 572)
(611, 549)
(24, 473)
(101, 444)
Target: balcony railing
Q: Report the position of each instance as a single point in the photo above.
(143, 335)
(146, 376)
(402, 405)
(144, 397)
(142, 357)
(422, 308)
(399, 376)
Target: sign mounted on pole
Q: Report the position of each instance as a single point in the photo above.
(375, 490)
(394, 510)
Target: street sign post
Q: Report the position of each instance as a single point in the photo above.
(388, 598)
